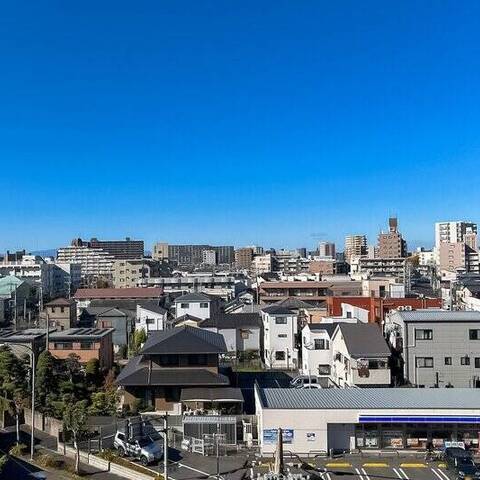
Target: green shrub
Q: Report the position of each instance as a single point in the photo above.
(18, 450)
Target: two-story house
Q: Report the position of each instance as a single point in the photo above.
(151, 317)
(199, 305)
(61, 313)
(280, 342)
(86, 343)
(316, 348)
(436, 347)
(360, 356)
(175, 365)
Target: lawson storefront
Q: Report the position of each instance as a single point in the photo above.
(317, 420)
(415, 431)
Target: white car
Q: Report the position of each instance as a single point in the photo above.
(301, 380)
(144, 449)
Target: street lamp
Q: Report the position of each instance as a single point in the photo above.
(32, 361)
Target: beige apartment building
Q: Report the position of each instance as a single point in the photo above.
(132, 273)
(160, 251)
(243, 258)
(355, 246)
(391, 244)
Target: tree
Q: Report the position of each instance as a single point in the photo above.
(93, 375)
(46, 382)
(139, 338)
(72, 366)
(75, 418)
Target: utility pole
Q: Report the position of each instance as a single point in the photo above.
(165, 447)
(217, 436)
(47, 337)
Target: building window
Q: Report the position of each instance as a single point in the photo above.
(63, 345)
(150, 321)
(280, 355)
(477, 362)
(184, 305)
(62, 309)
(321, 344)
(244, 334)
(280, 320)
(204, 305)
(423, 334)
(448, 360)
(86, 345)
(324, 369)
(282, 335)
(465, 360)
(424, 362)
(474, 334)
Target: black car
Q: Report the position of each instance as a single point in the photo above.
(464, 467)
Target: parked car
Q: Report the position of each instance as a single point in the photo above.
(144, 448)
(465, 468)
(451, 453)
(301, 380)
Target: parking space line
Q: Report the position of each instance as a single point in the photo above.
(365, 474)
(413, 465)
(402, 471)
(437, 474)
(376, 464)
(338, 464)
(194, 469)
(397, 473)
(359, 473)
(442, 474)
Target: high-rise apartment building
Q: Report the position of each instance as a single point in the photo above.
(160, 251)
(119, 249)
(355, 246)
(193, 254)
(326, 249)
(94, 262)
(243, 258)
(391, 244)
(453, 232)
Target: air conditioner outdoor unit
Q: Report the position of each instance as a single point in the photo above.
(401, 308)
(408, 308)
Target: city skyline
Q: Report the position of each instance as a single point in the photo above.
(227, 123)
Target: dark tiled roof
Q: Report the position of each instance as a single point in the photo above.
(328, 327)
(80, 333)
(186, 317)
(194, 297)
(60, 302)
(364, 340)
(277, 310)
(294, 303)
(232, 320)
(184, 339)
(152, 306)
(114, 293)
(137, 373)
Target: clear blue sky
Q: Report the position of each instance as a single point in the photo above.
(237, 122)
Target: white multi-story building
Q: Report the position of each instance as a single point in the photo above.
(326, 249)
(355, 246)
(198, 305)
(209, 257)
(453, 232)
(316, 351)
(94, 262)
(262, 264)
(280, 327)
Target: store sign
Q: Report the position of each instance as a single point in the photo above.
(270, 436)
(455, 445)
(311, 436)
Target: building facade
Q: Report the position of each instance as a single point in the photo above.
(355, 246)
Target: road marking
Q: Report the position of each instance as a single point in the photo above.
(442, 474)
(413, 465)
(442, 465)
(375, 464)
(365, 473)
(397, 473)
(437, 474)
(338, 464)
(402, 471)
(194, 469)
(359, 473)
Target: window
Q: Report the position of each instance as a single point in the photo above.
(280, 355)
(477, 362)
(474, 334)
(244, 334)
(465, 360)
(324, 369)
(349, 314)
(184, 305)
(204, 305)
(62, 309)
(149, 321)
(448, 360)
(282, 335)
(63, 345)
(423, 334)
(87, 345)
(280, 320)
(321, 344)
(424, 362)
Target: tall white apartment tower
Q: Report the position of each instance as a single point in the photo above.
(453, 232)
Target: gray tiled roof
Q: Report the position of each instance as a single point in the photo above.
(277, 310)
(432, 315)
(328, 327)
(194, 297)
(232, 320)
(371, 398)
(364, 340)
(184, 340)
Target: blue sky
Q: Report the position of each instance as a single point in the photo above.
(271, 122)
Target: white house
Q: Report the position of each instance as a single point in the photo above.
(316, 348)
(352, 311)
(280, 329)
(150, 317)
(241, 331)
(360, 355)
(195, 304)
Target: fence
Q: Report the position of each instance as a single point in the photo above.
(46, 424)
